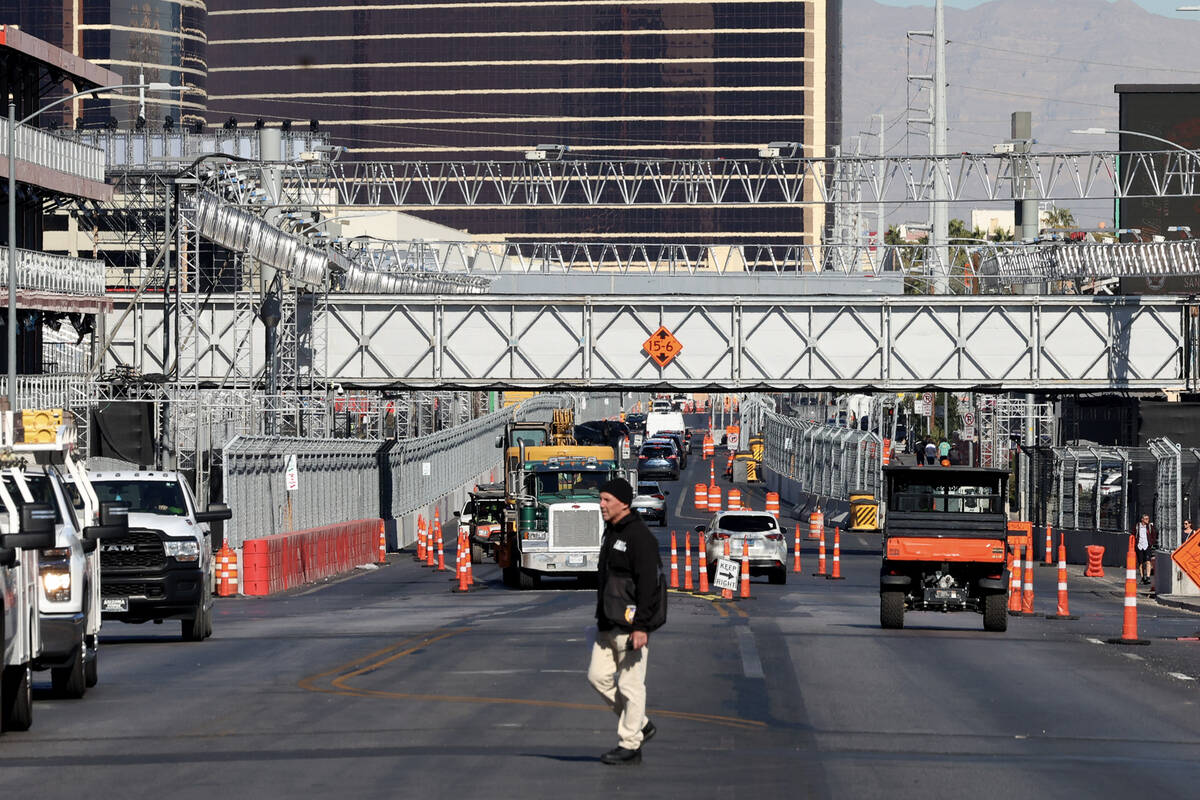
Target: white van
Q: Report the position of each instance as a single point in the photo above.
(665, 421)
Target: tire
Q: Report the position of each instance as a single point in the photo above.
(477, 554)
(891, 610)
(778, 576)
(71, 681)
(193, 629)
(509, 575)
(526, 580)
(662, 523)
(995, 613)
(16, 711)
(91, 669)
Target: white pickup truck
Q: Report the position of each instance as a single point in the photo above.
(163, 568)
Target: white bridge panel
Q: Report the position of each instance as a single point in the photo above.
(996, 342)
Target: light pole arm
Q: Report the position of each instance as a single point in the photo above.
(1120, 132)
(154, 87)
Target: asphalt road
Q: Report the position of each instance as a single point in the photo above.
(386, 684)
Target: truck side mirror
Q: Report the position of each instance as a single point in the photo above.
(500, 441)
(8, 557)
(114, 522)
(37, 528)
(216, 512)
(700, 529)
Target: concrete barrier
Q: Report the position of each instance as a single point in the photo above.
(277, 563)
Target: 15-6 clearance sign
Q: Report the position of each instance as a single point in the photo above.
(662, 347)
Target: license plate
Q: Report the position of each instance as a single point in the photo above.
(576, 561)
(115, 604)
(946, 594)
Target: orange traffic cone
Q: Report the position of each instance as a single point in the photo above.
(420, 538)
(837, 555)
(703, 559)
(712, 473)
(1048, 560)
(1129, 631)
(382, 544)
(745, 592)
(687, 560)
(1064, 602)
(796, 560)
(820, 573)
(674, 563)
(727, 593)
(464, 583)
(431, 539)
(1014, 584)
(1027, 582)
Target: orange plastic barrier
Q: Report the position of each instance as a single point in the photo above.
(227, 571)
(277, 563)
(773, 504)
(1095, 565)
(714, 498)
(701, 501)
(735, 499)
(816, 524)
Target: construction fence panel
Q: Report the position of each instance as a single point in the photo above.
(824, 460)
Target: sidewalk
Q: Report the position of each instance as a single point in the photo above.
(1114, 580)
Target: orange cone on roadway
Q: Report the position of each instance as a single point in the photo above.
(1129, 627)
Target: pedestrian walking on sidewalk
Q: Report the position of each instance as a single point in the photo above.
(631, 603)
(1144, 541)
(1187, 531)
(931, 453)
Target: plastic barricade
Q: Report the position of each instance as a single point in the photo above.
(277, 563)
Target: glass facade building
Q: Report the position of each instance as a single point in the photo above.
(490, 80)
(162, 40)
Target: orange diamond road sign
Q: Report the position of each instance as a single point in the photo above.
(1187, 556)
(662, 346)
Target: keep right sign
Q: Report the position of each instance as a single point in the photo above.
(726, 576)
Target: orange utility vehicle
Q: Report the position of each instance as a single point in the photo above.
(944, 543)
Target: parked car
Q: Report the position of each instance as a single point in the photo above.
(756, 531)
(658, 458)
(651, 502)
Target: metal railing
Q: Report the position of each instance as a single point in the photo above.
(45, 272)
(44, 149)
(826, 461)
(339, 480)
(1168, 491)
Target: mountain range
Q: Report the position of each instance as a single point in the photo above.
(1059, 60)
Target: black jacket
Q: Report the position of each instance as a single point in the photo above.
(629, 549)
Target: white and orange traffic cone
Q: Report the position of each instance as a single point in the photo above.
(674, 563)
(420, 538)
(1064, 602)
(1048, 561)
(687, 561)
(836, 575)
(1129, 627)
(796, 559)
(431, 540)
(441, 555)
(1027, 582)
(745, 585)
(1014, 583)
(820, 573)
(703, 561)
(382, 544)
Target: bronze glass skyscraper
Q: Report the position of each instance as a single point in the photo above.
(492, 79)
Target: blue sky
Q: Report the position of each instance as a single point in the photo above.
(1166, 7)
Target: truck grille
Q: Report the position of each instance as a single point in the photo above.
(141, 550)
(131, 589)
(575, 529)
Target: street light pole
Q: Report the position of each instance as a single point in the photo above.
(1122, 132)
(13, 122)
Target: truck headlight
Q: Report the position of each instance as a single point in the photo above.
(54, 569)
(183, 550)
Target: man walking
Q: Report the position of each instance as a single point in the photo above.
(1144, 542)
(627, 609)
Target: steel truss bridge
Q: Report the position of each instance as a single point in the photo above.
(977, 177)
(996, 343)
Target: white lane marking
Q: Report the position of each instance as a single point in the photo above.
(487, 671)
(751, 664)
(1095, 641)
(566, 671)
(682, 496)
(1133, 656)
(1181, 676)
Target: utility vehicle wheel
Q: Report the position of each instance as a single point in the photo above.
(71, 681)
(17, 693)
(477, 554)
(91, 669)
(527, 580)
(995, 613)
(891, 609)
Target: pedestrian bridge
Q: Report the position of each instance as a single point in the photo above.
(1000, 343)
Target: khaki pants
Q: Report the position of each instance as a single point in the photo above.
(619, 675)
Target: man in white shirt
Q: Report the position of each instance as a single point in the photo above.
(1144, 541)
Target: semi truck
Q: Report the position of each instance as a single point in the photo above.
(552, 523)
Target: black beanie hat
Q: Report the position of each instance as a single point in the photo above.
(620, 489)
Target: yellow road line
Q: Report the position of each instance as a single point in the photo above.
(721, 610)
(381, 658)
